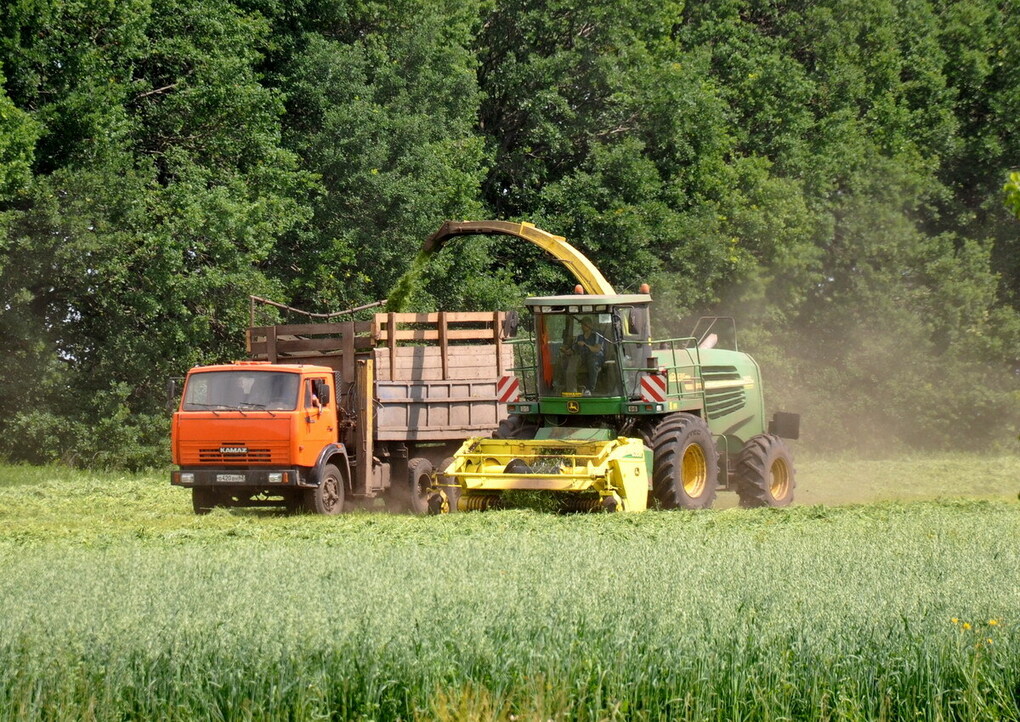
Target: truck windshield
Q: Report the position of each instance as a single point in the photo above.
(579, 354)
(271, 390)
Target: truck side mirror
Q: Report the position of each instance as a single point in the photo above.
(321, 390)
(171, 392)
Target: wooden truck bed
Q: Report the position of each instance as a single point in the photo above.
(435, 374)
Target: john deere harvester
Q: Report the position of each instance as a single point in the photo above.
(606, 416)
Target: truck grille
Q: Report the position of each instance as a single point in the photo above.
(252, 456)
(239, 454)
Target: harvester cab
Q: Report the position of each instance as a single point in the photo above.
(589, 347)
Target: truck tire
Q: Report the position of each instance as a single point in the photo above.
(765, 473)
(328, 497)
(203, 499)
(685, 466)
(419, 481)
(293, 502)
(450, 489)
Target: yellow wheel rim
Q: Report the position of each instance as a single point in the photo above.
(779, 479)
(695, 471)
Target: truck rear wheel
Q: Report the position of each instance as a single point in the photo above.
(448, 497)
(685, 466)
(765, 473)
(419, 482)
(203, 499)
(328, 496)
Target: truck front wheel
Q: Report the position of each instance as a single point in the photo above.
(328, 496)
(203, 499)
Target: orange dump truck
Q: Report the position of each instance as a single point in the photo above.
(327, 415)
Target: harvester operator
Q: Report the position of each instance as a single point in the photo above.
(591, 347)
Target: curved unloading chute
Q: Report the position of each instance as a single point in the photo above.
(590, 278)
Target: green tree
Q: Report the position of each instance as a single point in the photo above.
(159, 190)
(1012, 191)
(18, 136)
(382, 104)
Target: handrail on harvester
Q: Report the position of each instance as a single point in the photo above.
(590, 278)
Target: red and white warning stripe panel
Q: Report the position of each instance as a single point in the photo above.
(508, 389)
(653, 388)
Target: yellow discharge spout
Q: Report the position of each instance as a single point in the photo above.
(590, 278)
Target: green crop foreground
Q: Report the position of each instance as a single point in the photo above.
(120, 604)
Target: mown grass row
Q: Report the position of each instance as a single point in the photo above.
(888, 611)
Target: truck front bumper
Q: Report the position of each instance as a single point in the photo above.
(247, 478)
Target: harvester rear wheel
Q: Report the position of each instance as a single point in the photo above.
(765, 473)
(328, 496)
(419, 481)
(685, 464)
(203, 499)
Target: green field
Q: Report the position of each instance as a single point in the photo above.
(890, 592)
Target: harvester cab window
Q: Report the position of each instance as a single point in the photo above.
(579, 350)
(636, 345)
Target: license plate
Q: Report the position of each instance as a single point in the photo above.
(231, 478)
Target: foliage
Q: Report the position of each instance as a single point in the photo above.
(160, 187)
(1012, 190)
(827, 172)
(381, 105)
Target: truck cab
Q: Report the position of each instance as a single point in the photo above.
(256, 433)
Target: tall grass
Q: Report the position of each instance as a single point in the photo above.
(118, 604)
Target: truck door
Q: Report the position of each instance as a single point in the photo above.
(319, 406)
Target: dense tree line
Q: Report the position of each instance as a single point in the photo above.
(831, 173)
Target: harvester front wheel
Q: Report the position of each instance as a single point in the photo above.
(514, 427)
(685, 464)
(765, 473)
(328, 497)
(419, 484)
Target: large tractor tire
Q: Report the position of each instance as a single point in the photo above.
(328, 497)
(685, 467)
(765, 473)
(204, 499)
(513, 427)
(419, 481)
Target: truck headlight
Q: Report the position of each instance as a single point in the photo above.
(276, 477)
(187, 477)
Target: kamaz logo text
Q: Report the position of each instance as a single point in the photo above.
(233, 449)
